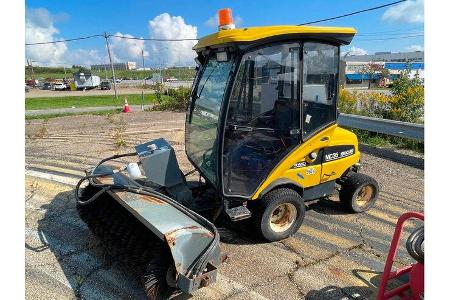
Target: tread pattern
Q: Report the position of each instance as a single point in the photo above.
(350, 186)
(271, 199)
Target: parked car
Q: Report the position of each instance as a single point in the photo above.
(118, 80)
(47, 86)
(105, 85)
(60, 86)
(32, 82)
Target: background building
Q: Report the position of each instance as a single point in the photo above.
(359, 69)
(129, 65)
(417, 56)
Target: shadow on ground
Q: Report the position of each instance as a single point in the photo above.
(89, 265)
(370, 281)
(244, 232)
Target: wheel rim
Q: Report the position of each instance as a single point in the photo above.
(282, 217)
(365, 196)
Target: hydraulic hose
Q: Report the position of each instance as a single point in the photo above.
(198, 267)
(104, 187)
(200, 264)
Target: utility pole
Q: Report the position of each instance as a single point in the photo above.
(143, 68)
(65, 76)
(179, 66)
(145, 82)
(111, 64)
(30, 65)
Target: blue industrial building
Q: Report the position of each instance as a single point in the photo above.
(394, 62)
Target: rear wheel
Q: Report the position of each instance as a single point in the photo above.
(279, 214)
(358, 192)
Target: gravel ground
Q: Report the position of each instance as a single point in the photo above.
(335, 255)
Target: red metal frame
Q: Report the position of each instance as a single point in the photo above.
(387, 273)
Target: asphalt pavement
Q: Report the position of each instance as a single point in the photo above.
(334, 255)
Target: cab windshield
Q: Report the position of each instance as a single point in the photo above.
(203, 116)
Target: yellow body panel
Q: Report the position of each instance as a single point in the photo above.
(251, 34)
(312, 175)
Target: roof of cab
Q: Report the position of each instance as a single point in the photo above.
(342, 35)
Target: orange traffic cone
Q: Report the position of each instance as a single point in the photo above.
(126, 107)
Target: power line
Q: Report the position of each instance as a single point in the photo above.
(352, 13)
(390, 32)
(393, 38)
(111, 35)
(154, 39)
(66, 40)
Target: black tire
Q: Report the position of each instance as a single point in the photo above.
(414, 244)
(159, 270)
(265, 208)
(358, 192)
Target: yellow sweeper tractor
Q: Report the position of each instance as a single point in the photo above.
(260, 130)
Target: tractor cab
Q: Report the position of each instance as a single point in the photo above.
(260, 93)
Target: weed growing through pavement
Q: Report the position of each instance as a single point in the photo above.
(118, 130)
(42, 131)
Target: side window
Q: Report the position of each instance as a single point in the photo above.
(320, 75)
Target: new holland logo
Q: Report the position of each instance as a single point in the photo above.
(339, 154)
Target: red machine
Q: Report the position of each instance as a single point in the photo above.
(414, 288)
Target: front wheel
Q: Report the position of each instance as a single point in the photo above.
(358, 192)
(279, 214)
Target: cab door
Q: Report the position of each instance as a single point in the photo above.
(319, 95)
(263, 112)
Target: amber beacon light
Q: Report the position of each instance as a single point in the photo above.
(225, 19)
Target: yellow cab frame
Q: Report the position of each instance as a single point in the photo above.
(313, 163)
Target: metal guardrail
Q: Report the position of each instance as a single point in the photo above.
(389, 127)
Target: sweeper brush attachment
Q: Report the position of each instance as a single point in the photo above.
(172, 247)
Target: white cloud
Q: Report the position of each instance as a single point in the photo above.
(213, 21)
(127, 49)
(165, 26)
(356, 51)
(413, 48)
(85, 57)
(410, 11)
(39, 27)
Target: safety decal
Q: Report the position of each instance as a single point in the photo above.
(310, 171)
(299, 164)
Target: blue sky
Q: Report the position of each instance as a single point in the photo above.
(67, 19)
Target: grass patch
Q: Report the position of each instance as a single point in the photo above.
(387, 141)
(108, 112)
(85, 101)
